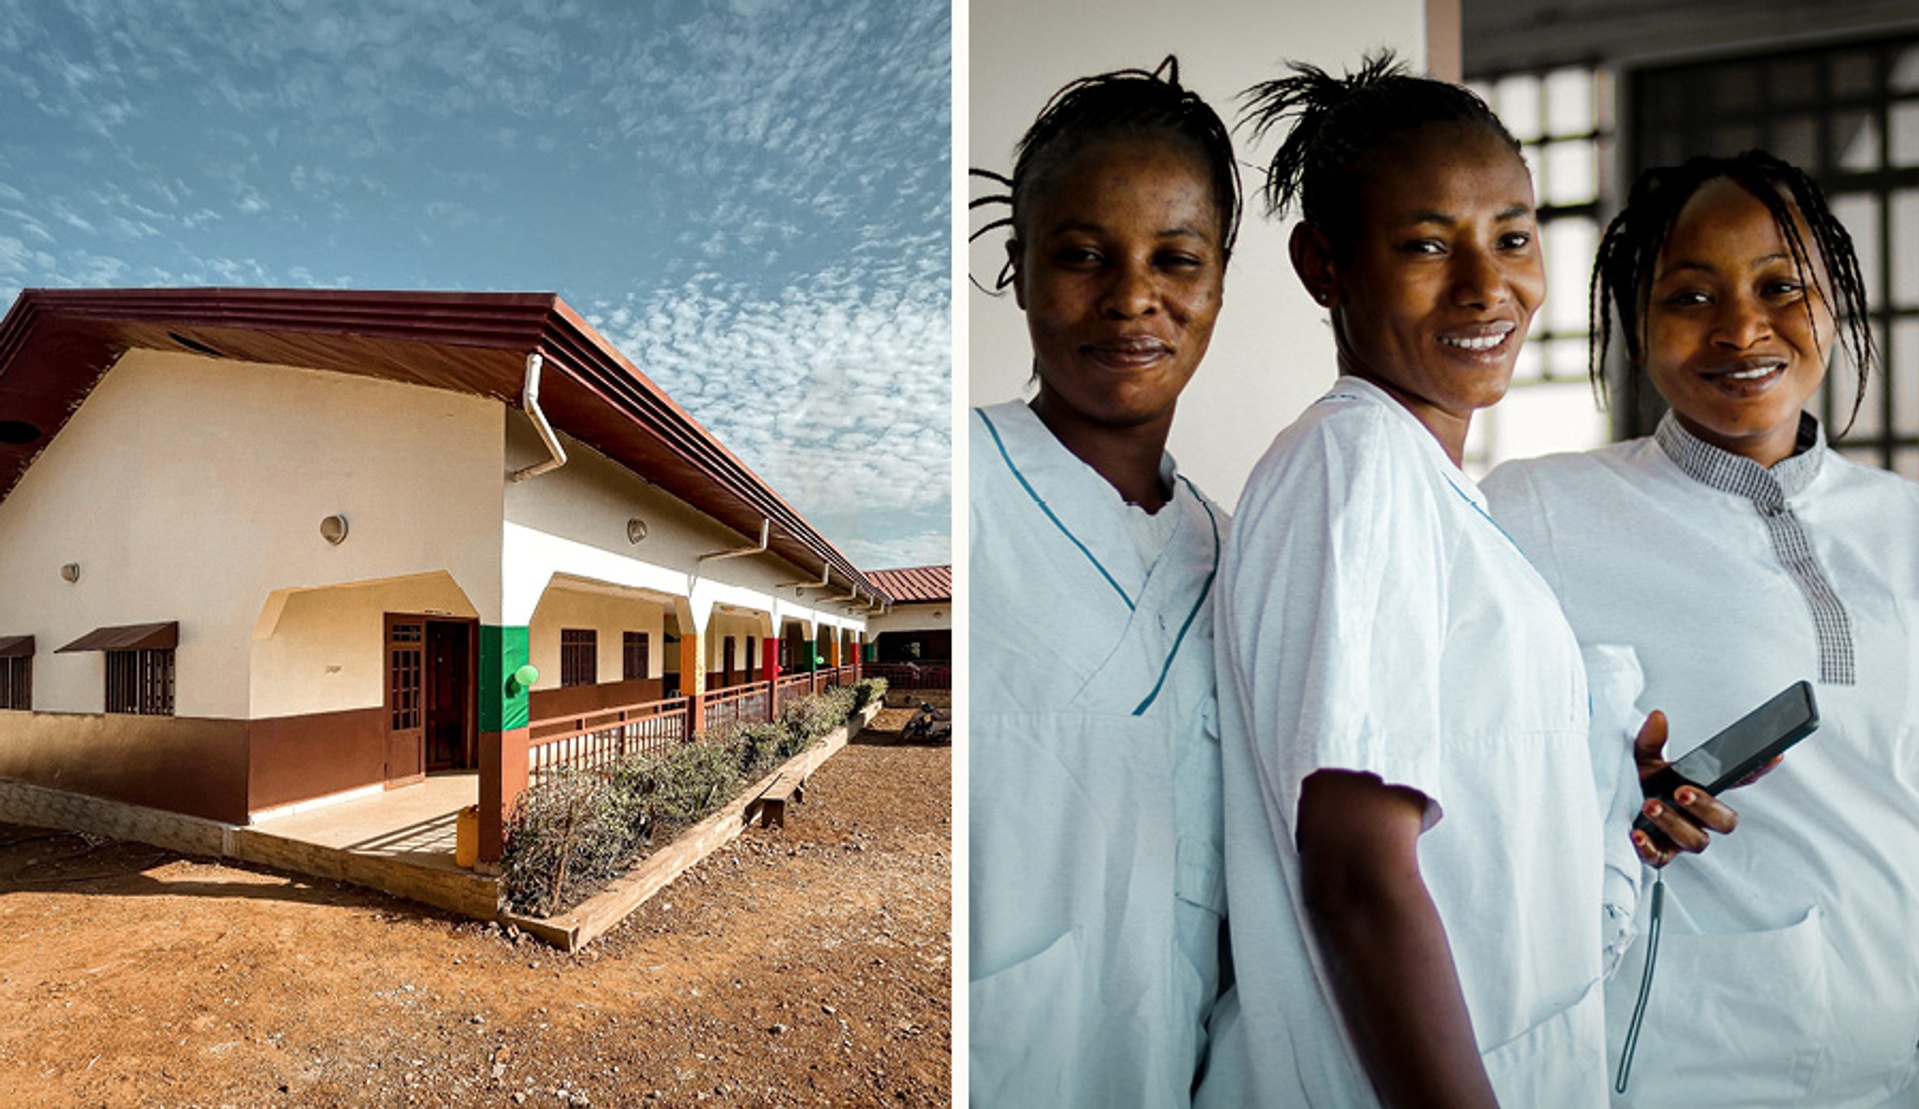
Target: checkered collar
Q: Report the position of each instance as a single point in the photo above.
(1739, 475)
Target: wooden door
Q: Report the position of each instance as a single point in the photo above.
(405, 698)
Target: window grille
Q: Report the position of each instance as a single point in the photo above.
(140, 682)
(579, 656)
(1848, 114)
(634, 660)
(16, 683)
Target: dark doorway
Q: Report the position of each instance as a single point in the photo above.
(449, 738)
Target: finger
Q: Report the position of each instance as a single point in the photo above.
(1679, 832)
(1650, 853)
(1650, 744)
(1759, 773)
(1706, 809)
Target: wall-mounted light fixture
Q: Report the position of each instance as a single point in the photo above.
(333, 529)
(70, 572)
(635, 530)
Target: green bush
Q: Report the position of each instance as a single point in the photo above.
(688, 782)
(575, 829)
(868, 690)
(759, 747)
(566, 837)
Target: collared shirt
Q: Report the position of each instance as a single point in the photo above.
(1788, 972)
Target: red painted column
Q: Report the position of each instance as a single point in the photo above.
(770, 674)
(503, 777)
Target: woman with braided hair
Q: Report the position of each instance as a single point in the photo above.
(1733, 552)
(1094, 875)
(1415, 845)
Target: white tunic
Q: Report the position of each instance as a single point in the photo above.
(1095, 870)
(1373, 618)
(1788, 974)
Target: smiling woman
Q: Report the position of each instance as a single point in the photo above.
(1729, 554)
(1094, 792)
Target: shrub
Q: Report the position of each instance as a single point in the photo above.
(575, 829)
(868, 690)
(759, 746)
(689, 781)
(566, 836)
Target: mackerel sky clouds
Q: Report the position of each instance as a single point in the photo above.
(749, 198)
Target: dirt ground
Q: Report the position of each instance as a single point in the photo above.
(809, 965)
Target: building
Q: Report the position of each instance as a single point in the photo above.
(263, 548)
(911, 641)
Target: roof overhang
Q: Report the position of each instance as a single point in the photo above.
(128, 637)
(56, 344)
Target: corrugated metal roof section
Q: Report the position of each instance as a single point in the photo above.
(916, 584)
(56, 344)
(128, 637)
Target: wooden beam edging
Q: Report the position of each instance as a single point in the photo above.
(598, 914)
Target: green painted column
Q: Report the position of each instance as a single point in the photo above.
(503, 733)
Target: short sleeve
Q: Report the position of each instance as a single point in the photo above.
(1333, 610)
(1516, 504)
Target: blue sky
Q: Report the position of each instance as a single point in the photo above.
(749, 198)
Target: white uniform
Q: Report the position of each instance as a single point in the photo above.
(1788, 974)
(1373, 618)
(1095, 870)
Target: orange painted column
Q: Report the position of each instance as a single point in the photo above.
(693, 667)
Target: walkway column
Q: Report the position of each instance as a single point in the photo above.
(770, 674)
(693, 677)
(503, 733)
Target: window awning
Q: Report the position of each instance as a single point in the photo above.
(128, 637)
(16, 646)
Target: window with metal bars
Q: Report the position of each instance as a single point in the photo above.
(579, 656)
(16, 683)
(1848, 114)
(634, 660)
(1562, 118)
(140, 682)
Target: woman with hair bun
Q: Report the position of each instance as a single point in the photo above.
(1094, 876)
(1733, 552)
(1415, 844)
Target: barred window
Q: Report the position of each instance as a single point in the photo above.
(579, 656)
(140, 682)
(16, 682)
(634, 658)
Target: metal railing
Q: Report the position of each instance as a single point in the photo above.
(912, 675)
(592, 740)
(589, 741)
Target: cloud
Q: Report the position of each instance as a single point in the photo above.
(838, 397)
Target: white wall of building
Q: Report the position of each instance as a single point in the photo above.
(609, 615)
(573, 521)
(914, 617)
(324, 650)
(1272, 352)
(191, 488)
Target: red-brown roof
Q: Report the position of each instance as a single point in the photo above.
(915, 584)
(55, 344)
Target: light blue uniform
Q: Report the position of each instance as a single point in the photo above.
(1374, 619)
(1095, 869)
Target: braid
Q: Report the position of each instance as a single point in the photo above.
(1334, 123)
(1123, 102)
(1629, 254)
